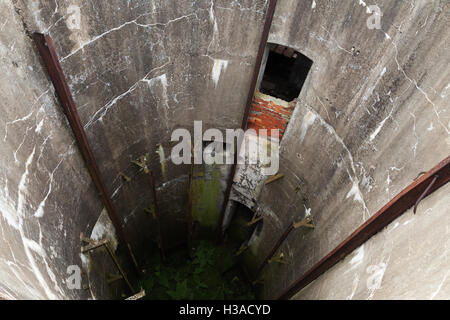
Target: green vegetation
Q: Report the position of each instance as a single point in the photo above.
(210, 274)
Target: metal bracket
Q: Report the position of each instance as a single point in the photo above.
(307, 223)
(105, 243)
(125, 177)
(93, 245)
(137, 296)
(242, 249)
(151, 210)
(279, 259)
(274, 178)
(142, 162)
(254, 220)
(113, 278)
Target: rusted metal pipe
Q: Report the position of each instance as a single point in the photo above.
(105, 243)
(425, 185)
(47, 51)
(307, 223)
(274, 249)
(274, 178)
(262, 46)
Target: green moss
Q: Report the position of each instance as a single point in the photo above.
(205, 196)
(208, 275)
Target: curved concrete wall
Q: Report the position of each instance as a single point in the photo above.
(370, 117)
(46, 196)
(137, 70)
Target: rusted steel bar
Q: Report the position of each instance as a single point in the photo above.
(93, 246)
(262, 46)
(274, 178)
(119, 267)
(47, 51)
(391, 211)
(306, 223)
(259, 57)
(274, 249)
(105, 243)
(157, 215)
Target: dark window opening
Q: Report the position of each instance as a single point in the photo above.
(284, 73)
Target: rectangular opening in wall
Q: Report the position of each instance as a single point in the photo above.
(284, 72)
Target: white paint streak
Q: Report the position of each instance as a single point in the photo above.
(438, 289)
(308, 211)
(100, 113)
(376, 278)
(87, 43)
(40, 211)
(218, 66)
(358, 257)
(355, 191)
(308, 120)
(372, 88)
(355, 286)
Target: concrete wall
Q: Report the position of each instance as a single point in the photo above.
(137, 70)
(370, 117)
(46, 194)
(373, 114)
(407, 260)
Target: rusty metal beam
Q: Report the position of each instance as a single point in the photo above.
(420, 188)
(307, 223)
(262, 46)
(274, 249)
(105, 243)
(47, 51)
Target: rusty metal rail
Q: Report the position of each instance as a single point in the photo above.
(47, 51)
(105, 243)
(410, 196)
(307, 223)
(272, 252)
(262, 46)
